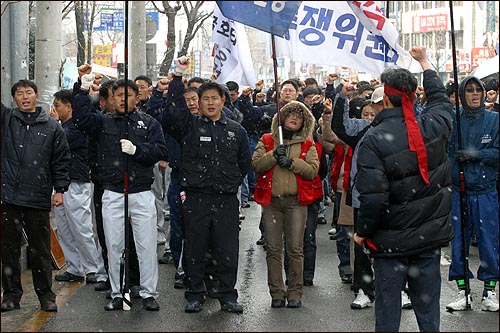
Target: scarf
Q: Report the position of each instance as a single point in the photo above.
(415, 140)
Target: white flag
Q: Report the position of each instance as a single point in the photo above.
(233, 61)
(352, 34)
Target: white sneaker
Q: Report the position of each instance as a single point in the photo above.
(459, 303)
(490, 303)
(405, 300)
(362, 301)
(332, 231)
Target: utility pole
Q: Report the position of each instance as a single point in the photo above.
(15, 39)
(137, 50)
(48, 47)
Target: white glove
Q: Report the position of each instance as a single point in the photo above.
(87, 81)
(128, 147)
(181, 65)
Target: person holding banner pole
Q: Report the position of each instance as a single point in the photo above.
(478, 155)
(257, 119)
(284, 189)
(145, 146)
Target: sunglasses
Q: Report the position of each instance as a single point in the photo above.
(297, 114)
(472, 90)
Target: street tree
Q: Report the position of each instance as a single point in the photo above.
(85, 13)
(195, 19)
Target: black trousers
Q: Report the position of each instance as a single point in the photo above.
(36, 224)
(363, 271)
(211, 221)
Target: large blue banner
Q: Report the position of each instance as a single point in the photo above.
(270, 16)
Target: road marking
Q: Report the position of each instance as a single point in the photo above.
(40, 317)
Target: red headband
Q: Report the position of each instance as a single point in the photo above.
(415, 140)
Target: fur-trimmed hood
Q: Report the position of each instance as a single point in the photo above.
(307, 127)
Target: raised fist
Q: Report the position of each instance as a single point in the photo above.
(87, 81)
(181, 65)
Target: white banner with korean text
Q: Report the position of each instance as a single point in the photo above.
(353, 34)
(232, 58)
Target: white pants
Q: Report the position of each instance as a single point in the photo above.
(75, 231)
(142, 214)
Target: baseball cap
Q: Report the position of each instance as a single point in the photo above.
(378, 95)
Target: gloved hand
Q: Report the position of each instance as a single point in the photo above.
(284, 162)
(181, 65)
(128, 147)
(280, 150)
(466, 156)
(87, 81)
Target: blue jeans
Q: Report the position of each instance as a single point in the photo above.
(344, 250)
(482, 215)
(424, 289)
(244, 190)
(252, 177)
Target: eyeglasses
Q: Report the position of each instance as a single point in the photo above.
(297, 114)
(288, 90)
(473, 89)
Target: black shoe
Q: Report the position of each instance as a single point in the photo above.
(108, 294)
(261, 241)
(179, 283)
(91, 278)
(232, 306)
(346, 278)
(193, 306)
(8, 305)
(333, 237)
(167, 258)
(150, 304)
(321, 220)
(308, 283)
(278, 303)
(115, 304)
(68, 277)
(135, 291)
(102, 285)
(49, 306)
(294, 303)
(245, 205)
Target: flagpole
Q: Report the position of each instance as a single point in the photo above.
(276, 89)
(463, 213)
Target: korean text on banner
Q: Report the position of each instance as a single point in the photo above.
(270, 16)
(232, 61)
(331, 33)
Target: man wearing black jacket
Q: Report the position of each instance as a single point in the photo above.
(144, 144)
(215, 159)
(35, 162)
(404, 184)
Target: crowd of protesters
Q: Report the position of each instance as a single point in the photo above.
(186, 157)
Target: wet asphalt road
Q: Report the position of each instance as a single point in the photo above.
(325, 305)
